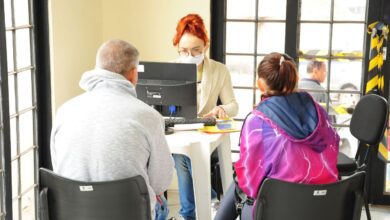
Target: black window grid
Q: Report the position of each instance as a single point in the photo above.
(17, 199)
(255, 54)
(329, 57)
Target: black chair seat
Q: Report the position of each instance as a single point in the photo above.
(341, 200)
(345, 164)
(66, 199)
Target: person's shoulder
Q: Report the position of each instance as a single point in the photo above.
(71, 103)
(254, 118)
(145, 108)
(148, 113)
(217, 67)
(216, 64)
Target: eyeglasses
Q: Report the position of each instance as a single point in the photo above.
(196, 51)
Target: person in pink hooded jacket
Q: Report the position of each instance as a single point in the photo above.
(287, 136)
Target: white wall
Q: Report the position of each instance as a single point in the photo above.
(78, 28)
(75, 34)
(149, 24)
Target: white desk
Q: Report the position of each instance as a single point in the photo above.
(198, 147)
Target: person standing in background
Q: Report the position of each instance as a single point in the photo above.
(316, 74)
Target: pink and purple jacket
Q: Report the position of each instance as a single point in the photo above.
(288, 138)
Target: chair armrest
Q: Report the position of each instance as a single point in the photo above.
(43, 204)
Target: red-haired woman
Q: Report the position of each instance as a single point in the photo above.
(192, 43)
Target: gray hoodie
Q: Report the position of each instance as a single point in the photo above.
(106, 133)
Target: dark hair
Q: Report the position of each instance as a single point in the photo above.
(314, 64)
(279, 73)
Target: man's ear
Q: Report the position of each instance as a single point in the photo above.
(132, 76)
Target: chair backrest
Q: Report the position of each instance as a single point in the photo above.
(368, 124)
(279, 200)
(369, 119)
(64, 199)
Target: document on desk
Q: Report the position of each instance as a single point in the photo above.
(186, 127)
(214, 129)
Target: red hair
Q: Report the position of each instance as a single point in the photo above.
(192, 24)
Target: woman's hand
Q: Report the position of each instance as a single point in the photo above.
(217, 111)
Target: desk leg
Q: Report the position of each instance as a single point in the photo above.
(225, 162)
(200, 161)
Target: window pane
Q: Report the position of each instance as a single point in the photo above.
(315, 10)
(240, 37)
(10, 51)
(348, 143)
(26, 131)
(15, 178)
(235, 136)
(14, 140)
(344, 73)
(7, 13)
(258, 97)
(11, 93)
(347, 101)
(241, 70)
(315, 37)
(15, 209)
(23, 56)
(270, 37)
(243, 9)
(349, 46)
(27, 170)
(28, 205)
(245, 101)
(350, 10)
(275, 9)
(302, 67)
(24, 90)
(21, 12)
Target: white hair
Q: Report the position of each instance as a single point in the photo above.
(117, 56)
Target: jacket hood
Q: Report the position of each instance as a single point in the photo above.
(299, 116)
(101, 79)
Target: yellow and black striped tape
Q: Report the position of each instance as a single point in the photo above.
(376, 79)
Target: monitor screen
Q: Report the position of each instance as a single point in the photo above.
(170, 88)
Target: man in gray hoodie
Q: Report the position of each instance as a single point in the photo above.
(106, 133)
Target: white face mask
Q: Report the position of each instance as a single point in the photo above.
(190, 59)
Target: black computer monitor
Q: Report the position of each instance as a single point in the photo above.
(168, 87)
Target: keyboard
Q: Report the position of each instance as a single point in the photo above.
(155, 82)
(170, 122)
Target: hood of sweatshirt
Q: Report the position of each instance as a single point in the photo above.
(299, 116)
(97, 79)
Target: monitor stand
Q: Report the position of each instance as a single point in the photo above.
(168, 130)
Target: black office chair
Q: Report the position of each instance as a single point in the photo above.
(368, 124)
(65, 199)
(280, 200)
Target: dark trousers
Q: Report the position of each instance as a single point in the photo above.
(227, 209)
